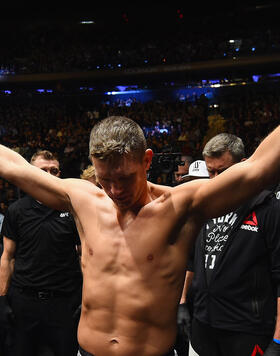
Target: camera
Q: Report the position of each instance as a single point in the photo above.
(163, 167)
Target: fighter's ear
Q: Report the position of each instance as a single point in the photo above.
(148, 158)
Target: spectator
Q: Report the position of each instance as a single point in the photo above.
(236, 270)
(183, 169)
(197, 170)
(89, 174)
(40, 277)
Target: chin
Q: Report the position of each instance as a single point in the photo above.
(123, 202)
(126, 204)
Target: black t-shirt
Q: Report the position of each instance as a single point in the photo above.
(217, 232)
(46, 239)
(245, 279)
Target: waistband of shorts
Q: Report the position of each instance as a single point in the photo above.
(85, 353)
(82, 352)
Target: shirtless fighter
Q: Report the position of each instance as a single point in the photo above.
(136, 235)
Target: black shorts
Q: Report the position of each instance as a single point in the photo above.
(85, 353)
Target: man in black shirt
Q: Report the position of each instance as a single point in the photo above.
(236, 265)
(40, 276)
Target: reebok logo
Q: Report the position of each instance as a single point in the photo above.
(257, 351)
(251, 219)
(249, 228)
(250, 223)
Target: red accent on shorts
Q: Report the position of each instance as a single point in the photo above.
(257, 351)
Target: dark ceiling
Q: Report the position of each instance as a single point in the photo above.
(138, 12)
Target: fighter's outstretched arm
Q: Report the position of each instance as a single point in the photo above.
(44, 187)
(240, 182)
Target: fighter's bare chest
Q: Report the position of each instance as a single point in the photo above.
(126, 244)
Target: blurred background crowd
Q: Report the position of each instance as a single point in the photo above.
(175, 126)
(183, 73)
(48, 112)
(127, 37)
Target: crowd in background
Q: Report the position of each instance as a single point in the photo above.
(62, 125)
(37, 47)
(175, 126)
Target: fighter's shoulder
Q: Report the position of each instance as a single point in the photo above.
(191, 186)
(78, 182)
(80, 186)
(189, 195)
(157, 190)
(187, 188)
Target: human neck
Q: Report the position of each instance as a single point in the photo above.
(145, 197)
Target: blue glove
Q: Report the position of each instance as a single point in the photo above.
(273, 349)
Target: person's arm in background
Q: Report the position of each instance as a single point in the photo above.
(184, 315)
(187, 284)
(206, 198)
(48, 189)
(6, 270)
(277, 324)
(77, 313)
(183, 322)
(7, 264)
(274, 347)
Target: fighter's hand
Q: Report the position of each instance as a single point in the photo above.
(6, 313)
(273, 349)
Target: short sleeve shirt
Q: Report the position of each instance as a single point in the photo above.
(46, 240)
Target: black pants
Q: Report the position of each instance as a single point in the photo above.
(6, 341)
(208, 341)
(182, 344)
(44, 320)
